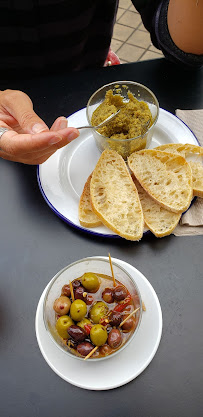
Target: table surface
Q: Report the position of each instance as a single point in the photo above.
(35, 244)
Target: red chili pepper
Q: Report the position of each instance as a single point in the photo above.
(87, 328)
(123, 304)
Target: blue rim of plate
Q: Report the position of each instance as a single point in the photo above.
(65, 218)
(88, 231)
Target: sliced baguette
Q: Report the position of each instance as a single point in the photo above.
(166, 177)
(87, 217)
(160, 221)
(197, 168)
(183, 149)
(197, 178)
(114, 197)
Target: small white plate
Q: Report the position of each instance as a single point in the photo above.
(62, 177)
(115, 371)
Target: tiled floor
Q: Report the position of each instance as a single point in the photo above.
(131, 41)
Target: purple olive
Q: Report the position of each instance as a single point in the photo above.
(107, 295)
(77, 333)
(72, 343)
(114, 338)
(129, 324)
(78, 293)
(89, 299)
(120, 293)
(76, 284)
(84, 348)
(105, 350)
(66, 290)
(115, 318)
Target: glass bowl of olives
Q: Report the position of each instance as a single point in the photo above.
(89, 314)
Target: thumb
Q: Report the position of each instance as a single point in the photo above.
(20, 106)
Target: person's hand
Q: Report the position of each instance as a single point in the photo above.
(29, 140)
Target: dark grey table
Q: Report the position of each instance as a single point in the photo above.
(35, 244)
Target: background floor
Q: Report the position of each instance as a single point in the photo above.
(131, 41)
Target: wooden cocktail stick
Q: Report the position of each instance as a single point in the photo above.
(143, 306)
(71, 291)
(131, 314)
(91, 353)
(114, 281)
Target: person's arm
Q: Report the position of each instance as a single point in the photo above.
(28, 139)
(176, 28)
(185, 24)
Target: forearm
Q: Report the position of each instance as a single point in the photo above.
(185, 24)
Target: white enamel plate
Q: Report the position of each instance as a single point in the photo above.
(62, 177)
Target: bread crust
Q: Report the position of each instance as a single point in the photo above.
(87, 217)
(166, 177)
(197, 168)
(181, 148)
(160, 221)
(114, 197)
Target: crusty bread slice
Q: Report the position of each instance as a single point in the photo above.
(115, 198)
(181, 148)
(197, 178)
(166, 177)
(160, 221)
(197, 168)
(87, 217)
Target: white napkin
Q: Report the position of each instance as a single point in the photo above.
(191, 223)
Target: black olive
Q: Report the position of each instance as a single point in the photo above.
(114, 338)
(105, 350)
(84, 348)
(107, 295)
(76, 283)
(120, 293)
(66, 290)
(129, 323)
(115, 318)
(72, 343)
(78, 293)
(77, 333)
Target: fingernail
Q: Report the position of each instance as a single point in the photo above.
(63, 123)
(55, 139)
(73, 135)
(38, 128)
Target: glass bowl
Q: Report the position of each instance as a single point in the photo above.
(124, 146)
(76, 270)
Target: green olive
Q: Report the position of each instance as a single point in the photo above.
(62, 325)
(98, 311)
(78, 310)
(90, 281)
(83, 322)
(98, 335)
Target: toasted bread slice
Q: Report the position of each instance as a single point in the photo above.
(160, 221)
(87, 217)
(196, 166)
(165, 176)
(115, 198)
